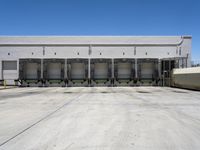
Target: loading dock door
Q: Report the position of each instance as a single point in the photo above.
(54, 71)
(101, 70)
(147, 70)
(31, 71)
(124, 70)
(77, 71)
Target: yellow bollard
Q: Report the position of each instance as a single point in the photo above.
(4, 83)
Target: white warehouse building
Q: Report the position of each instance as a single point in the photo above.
(91, 60)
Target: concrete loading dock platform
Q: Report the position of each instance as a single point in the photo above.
(111, 118)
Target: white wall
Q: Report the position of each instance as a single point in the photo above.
(80, 40)
(128, 52)
(101, 47)
(159, 47)
(66, 52)
(17, 52)
(0, 69)
(187, 50)
(160, 52)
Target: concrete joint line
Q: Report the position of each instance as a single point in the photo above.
(45, 117)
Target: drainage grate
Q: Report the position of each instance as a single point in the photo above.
(68, 92)
(179, 92)
(143, 92)
(104, 92)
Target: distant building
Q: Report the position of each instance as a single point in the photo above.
(195, 63)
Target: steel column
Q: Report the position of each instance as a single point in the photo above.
(89, 75)
(65, 69)
(113, 68)
(42, 68)
(159, 68)
(136, 69)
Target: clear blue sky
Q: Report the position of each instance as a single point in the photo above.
(102, 17)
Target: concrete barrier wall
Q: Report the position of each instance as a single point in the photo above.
(186, 78)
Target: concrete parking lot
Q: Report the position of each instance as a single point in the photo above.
(103, 118)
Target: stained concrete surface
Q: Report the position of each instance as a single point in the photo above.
(103, 118)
